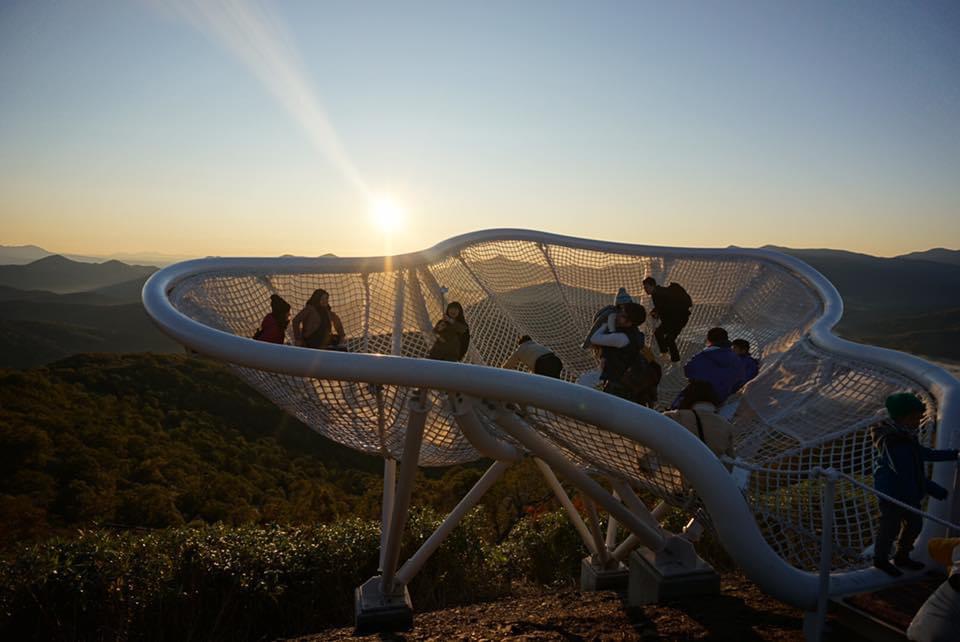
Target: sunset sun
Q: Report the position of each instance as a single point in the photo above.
(387, 214)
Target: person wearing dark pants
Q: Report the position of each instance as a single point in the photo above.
(549, 365)
(537, 358)
(672, 306)
(900, 474)
(666, 335)
(897, 524)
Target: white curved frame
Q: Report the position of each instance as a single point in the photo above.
(731, 515)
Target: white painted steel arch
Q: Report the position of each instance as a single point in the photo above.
(733, 517)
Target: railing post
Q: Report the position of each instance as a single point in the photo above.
(826, 550)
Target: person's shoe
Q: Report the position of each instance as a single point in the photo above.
(907, 563)
(887, 567)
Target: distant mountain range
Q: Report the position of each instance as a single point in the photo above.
(61, 275)
(869, 283)
(23, 254)
(937, 255)
(53, 307)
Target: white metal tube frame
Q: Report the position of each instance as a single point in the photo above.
(418, 559)
(401, 503)
(734, 521)
(568, 506)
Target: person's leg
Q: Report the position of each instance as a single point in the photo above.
(912, 525)
(660, 335)
(676, 327)
(886, 532)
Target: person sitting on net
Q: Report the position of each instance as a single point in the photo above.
(452, 335)
(313, 324)
(537, 358)
(900, 474)
(751, 367)
(274, 325)
(697, 413)
(620, 344)
(671, 305)
(717, 365)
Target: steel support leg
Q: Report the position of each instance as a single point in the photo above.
(416, 562)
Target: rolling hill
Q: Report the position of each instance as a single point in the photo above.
(937, 255)
(61, 275)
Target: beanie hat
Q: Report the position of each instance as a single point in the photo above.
(622, 297)
(902, 404)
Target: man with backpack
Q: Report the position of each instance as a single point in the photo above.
(671, 305)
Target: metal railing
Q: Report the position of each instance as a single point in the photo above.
(827, 505)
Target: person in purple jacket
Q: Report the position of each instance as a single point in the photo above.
(717, 365)
(751, 367)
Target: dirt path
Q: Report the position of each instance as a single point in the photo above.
(740, 613)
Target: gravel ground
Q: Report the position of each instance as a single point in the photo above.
(740, 612)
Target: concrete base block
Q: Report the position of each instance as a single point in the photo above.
(594, 578)
(653, 580)
(376, 612)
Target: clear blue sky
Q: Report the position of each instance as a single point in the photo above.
(267, 128)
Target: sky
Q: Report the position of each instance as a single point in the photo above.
(233, 127)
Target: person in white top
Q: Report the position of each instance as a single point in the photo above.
(697, 413)
(938, 620)
(537, 358)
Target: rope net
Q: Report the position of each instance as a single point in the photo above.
(806, 408)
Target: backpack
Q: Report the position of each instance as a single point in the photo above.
(679, 297)
(642, 378)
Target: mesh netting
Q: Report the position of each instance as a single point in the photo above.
(806, 408)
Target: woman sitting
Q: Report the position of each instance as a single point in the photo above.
(452, 335)
(274, 325)
(312, 326)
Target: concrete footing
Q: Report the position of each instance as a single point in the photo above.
(595, 578)
(654, 579)
(376, 612)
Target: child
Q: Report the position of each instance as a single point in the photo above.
(603, 314)
(741, 347)
(900, 474)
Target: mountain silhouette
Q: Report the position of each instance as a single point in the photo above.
(937, 255)
(61, 275)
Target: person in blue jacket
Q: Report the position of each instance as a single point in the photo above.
(900, 474)
(717, 365)
(751, 367)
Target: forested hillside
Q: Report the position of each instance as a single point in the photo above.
(162, 440)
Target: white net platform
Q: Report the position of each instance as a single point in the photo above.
(806, 408)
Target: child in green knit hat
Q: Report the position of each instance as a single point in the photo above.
(900, 474)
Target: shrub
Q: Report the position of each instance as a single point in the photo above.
(543, 548)
(223, 583)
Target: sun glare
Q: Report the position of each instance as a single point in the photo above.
(386, 214)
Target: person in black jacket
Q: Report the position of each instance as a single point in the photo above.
(672, 306)
(900, 474)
